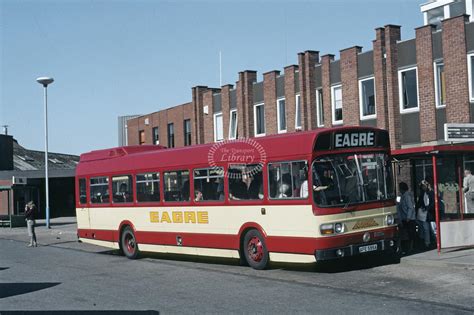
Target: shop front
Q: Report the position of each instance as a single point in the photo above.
(443, 167)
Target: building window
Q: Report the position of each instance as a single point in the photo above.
(457, 8)
(233, 124)
(259, 119)
(435, 16)
(171, 135)
(440, 84)
(408, 89)
(156, 136)
(281, 115)
(141, 137)
(187, 132)
(470, 67)
(367, 98)
(218, 127)
(298, 112)
(319, 108)
(148, 187)
(336, 100)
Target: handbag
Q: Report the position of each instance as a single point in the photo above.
(421, 214)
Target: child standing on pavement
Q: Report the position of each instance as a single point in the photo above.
(30, 215)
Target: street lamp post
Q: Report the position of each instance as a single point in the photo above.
(45, 81)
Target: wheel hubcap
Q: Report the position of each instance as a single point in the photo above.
(130, 243)
(255, 249)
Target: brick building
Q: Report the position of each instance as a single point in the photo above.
(410, 87)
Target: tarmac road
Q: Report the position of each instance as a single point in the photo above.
(66, 275)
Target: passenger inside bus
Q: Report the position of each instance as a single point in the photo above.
(245, 183)
(197, 195)
(122, 195)
(208, 182)
(325, 190)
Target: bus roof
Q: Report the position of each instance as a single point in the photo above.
(143, 157)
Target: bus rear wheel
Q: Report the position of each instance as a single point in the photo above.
(255, 250)
(129, 243)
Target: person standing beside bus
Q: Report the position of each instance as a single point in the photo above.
(426, 211)
(30, 216)
(468, 189)
(406, 215)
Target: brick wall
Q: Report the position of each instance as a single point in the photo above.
(385, 65)
(424, 60)
(290, 97)
(326, 86)
(307, 61)
(392, 35)
(380, 78)
(455, 67)
(245, 103)
(269, 98)
(208, 118)
(198, 115)
(4, 198)
(225, 101)
(132, 131)
(350, 86)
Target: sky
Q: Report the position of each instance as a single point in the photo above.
(113, 58)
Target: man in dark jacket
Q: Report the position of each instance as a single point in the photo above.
(30, 216)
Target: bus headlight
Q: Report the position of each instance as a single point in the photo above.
(390, 219)
(339, 228)
(327, 229)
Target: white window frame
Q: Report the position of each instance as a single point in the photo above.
(361, 100)
(298, 112)
(318, 109)
(435, 69)
(470, 66)
(230, 124)
(400, 91)
(278, 115)
(333, 105)
(255, 120)
(215, 126)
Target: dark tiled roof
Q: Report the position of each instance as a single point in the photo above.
(30, 160)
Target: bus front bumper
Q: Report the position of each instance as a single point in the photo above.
(357, 249)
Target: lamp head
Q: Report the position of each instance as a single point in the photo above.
(45, 81)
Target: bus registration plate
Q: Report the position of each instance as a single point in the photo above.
(367, 248)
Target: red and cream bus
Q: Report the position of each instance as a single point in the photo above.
(300, 197)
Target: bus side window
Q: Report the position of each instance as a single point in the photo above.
(148, 187)
(288, 180)
(176, 185)
(82, 191)
(209, 184)
(245, 182)
(99, 188)
(122, 189)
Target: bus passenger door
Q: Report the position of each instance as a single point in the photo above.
(82, 210)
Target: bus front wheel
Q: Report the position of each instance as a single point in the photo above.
(129, 243)
(255, 250)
